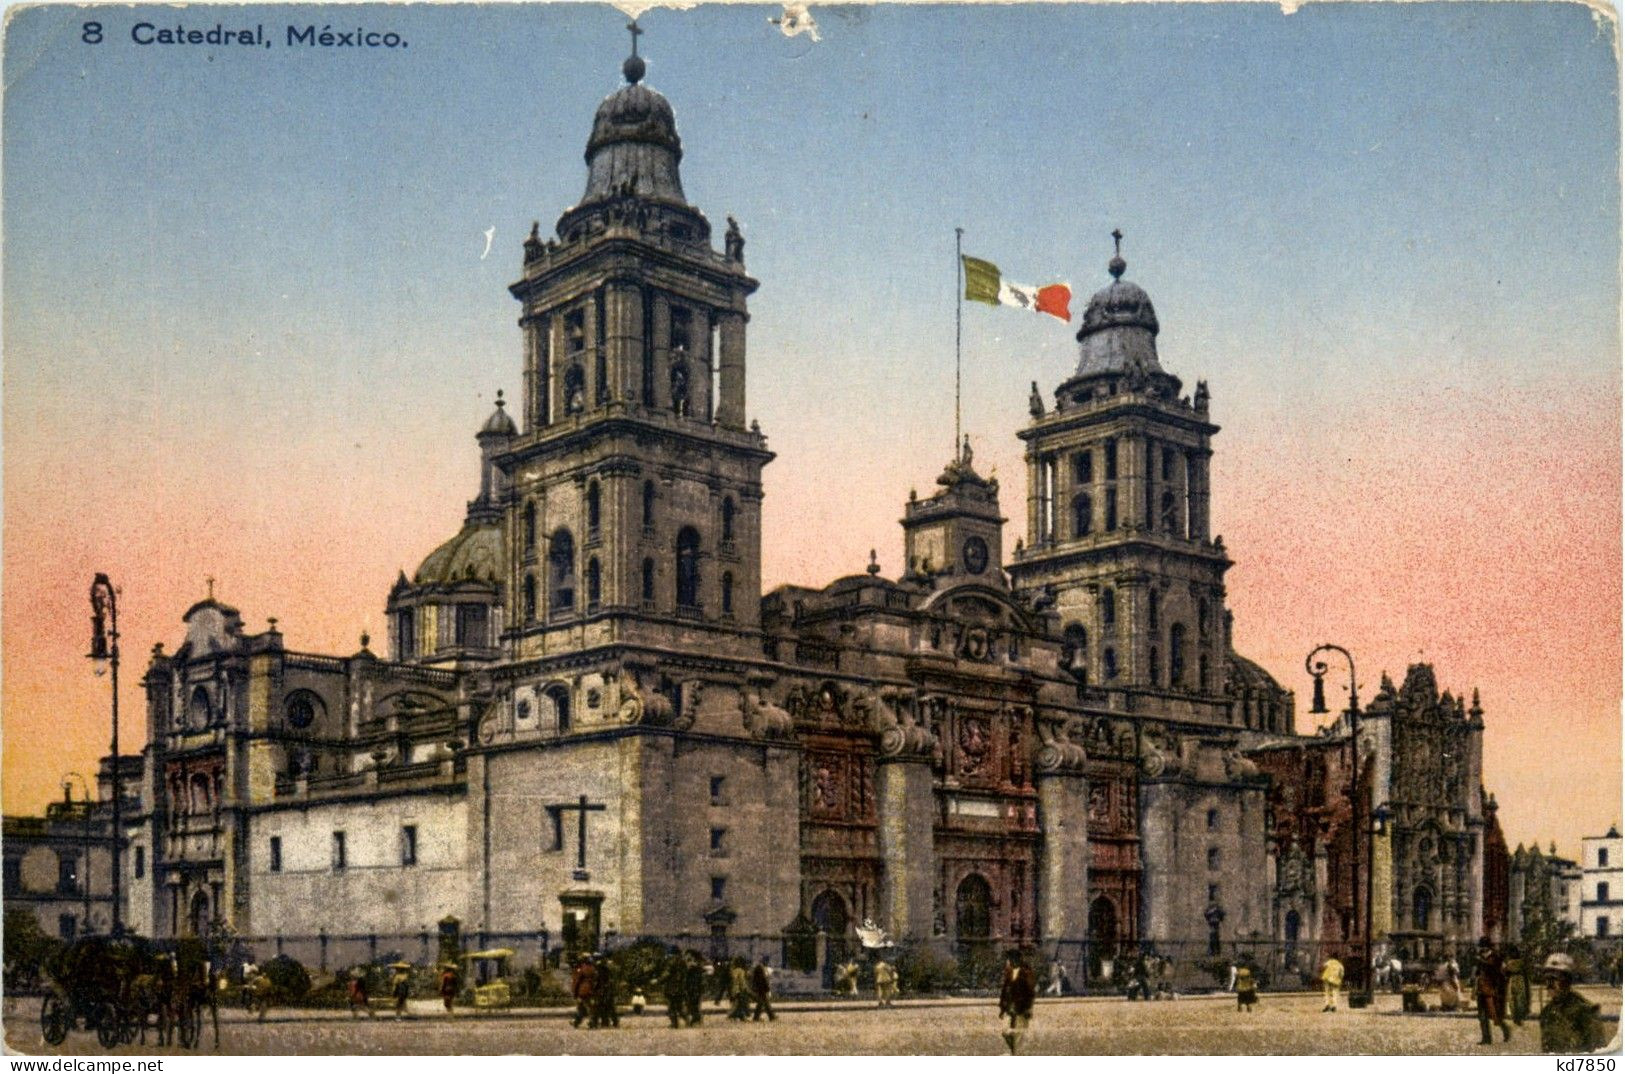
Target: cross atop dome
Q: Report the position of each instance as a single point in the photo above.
(1117, 266)
(634, 67)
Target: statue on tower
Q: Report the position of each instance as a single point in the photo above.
(734, 242)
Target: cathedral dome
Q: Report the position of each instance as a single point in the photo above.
(1119, 333)
(474, 555)
(634, 148)
(499, 423)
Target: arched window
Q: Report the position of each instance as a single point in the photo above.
(406, 634)
(1153, 607)
(198, 711)
(1212, 857)
(1075, 651)
(1201, 618)
(648, 507)
(1202, 672)
(727, 593)
(1108, 609)
(530, 529)
(575, 390)
(1108, 661)
(1156, 666)
(1083, 514)
(1176, 655)
(1111, 507)
(688, 569)
(679, 389)
(649, 582)
(1421, 909)
(594, 584)
(1170, 516)
(530, 598)
(560, 698)
(561, 560)
(199, 790)
(594, 509)
(727, 519)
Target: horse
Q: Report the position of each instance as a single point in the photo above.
(152, 997)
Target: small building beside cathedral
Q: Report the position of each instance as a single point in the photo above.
(588, 719)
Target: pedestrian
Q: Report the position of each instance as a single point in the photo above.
(846, 977)
(1057, 978)
(605, 1013)
(400, 986)
(359, 999)
(1331, 979)
(739, 990)
(1017, 991)
(1517, 985)
(1568, 1022)
(698, 969)
(761, 989)
(674, 982)
(1449, 987)
(637, 1002)
(1246, 988)
(582, 980)
(1490, 990)
(885, 984)
(1235, 971)
(450, 983)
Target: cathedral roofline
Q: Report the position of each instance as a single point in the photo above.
(1115, 545)
(615, 418)
(1098, 412)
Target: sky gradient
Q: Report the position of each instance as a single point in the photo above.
(249, 333)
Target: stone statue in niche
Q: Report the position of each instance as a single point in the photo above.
(733, 242)
(974, 745)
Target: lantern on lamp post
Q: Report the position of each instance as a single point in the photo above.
(104, 651)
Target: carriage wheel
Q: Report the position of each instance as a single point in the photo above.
(191, 1026)
(54, 1020)
(107, 1025)
(129, 1027)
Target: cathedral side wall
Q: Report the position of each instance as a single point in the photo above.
(1203, 847)
(373, 891)
(756, 856)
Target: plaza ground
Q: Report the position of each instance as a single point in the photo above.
(1290, 1023)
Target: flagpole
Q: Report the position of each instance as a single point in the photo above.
(959, 309)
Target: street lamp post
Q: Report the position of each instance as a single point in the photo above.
(104, 646)
(1358, 819)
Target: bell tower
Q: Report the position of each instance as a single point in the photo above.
(635, 508)
(1117, 515)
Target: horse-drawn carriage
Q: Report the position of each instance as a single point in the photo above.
(119, 988)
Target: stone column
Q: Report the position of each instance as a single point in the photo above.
(624, 339)
(731, 393)
(1063, 861)
(905, 811)
(662, 352)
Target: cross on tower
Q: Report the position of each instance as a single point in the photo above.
(1117, 237)
(636, 31)
(210, 581)
(580, 808)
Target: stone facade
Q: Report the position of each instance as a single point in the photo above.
(590, 719)
(1601, 882)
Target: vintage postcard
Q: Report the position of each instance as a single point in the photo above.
(881, 529)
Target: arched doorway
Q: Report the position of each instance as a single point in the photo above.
(973, 915)
(829, 917)
(1102, 937)
(197, 918)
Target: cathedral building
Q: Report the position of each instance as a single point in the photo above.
(588, 718)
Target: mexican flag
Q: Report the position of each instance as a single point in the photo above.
(984, 283)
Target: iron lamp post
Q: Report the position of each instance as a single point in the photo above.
(1357, 821)
(104, 648)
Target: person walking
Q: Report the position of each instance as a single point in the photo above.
(885, 984)
(582, 981)
(1246, 988)
(1490, 989)
(1331, 979)
(697, 970)
(1017, 991)
(1568, 1022)
(1517, 972)
(761, 988)
(1057, 979)
(360, 1000)
(400, 986)
(604, 998)
(846, 977)
(674, 982)
(739, 990)
(1449, 987)
(450, 984)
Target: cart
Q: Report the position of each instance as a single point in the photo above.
(93, 986)
(489, 970)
